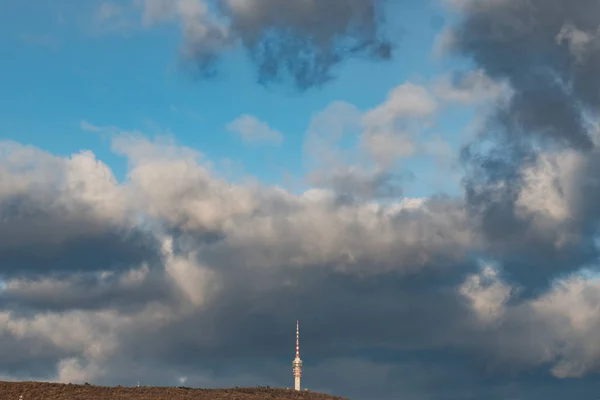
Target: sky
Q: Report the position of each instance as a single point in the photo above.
(415, 181)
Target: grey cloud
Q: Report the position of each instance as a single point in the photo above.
(40, 192)
(563, 321)
(536, 241)
(30, 357)
(352, 183)
(368, 317)
(543, 109)
(112, 250)
(301, 41)
(304, 40)
(546, 51)
(525, 42)
(123, 290)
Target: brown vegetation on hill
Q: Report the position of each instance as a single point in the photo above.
(56, 391)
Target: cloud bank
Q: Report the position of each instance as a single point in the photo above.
(154, 278)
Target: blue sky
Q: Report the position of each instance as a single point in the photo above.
(63, 67)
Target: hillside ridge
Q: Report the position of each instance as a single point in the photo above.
(62, 391)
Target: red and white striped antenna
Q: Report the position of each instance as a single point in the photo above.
(297, 339)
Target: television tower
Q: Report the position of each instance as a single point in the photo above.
(297, 363)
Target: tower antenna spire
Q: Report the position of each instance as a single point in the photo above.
(297, 339)
(297, 363)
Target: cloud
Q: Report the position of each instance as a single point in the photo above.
(528, 170)
(388, 131)
(531, 44)
(357, 153)
(470, 88)
(301, 41)
(562, 320)
(305, 40)
(86, 126)
(387, 288)
(253, 130)
(39, 192)
(205, 35)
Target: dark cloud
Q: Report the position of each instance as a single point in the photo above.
(28, 357)
(305, 40)
(58, 217)
(546, 51)
(350, 184)
(99, 252)
(300, 41)
(127, 290)
(533, 247)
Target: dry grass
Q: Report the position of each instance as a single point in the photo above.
(56, 391)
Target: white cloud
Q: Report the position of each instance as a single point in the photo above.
(252, 130)
(556, 328)
(408, 100)
(86, 126)
(470, 88)
(389, 131)
(487, 294)
(357, 152)
(579, 41)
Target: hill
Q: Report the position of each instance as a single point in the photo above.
(57, 391)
